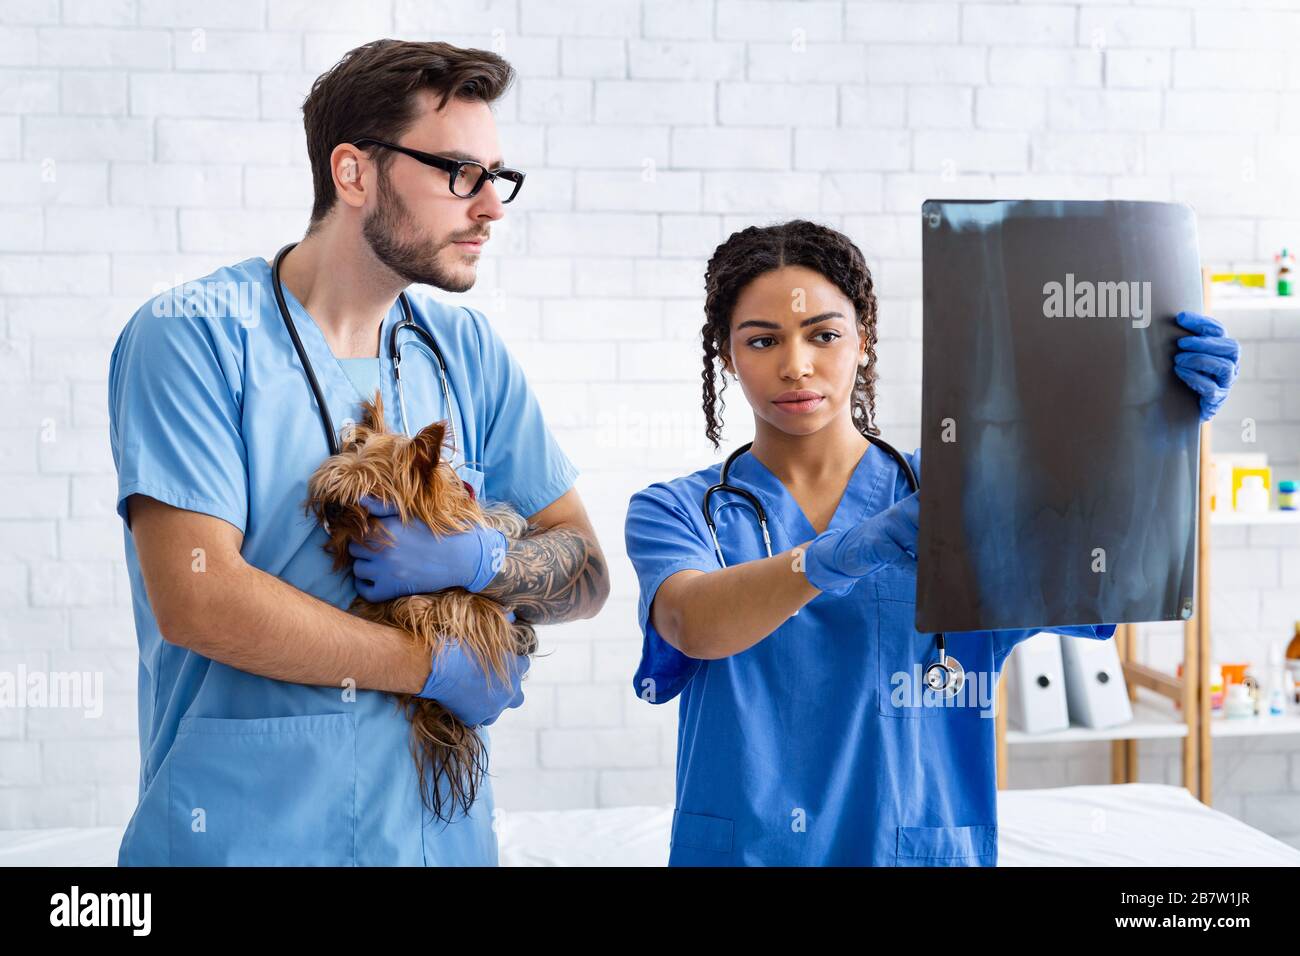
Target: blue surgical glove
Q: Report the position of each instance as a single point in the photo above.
(475, 696)
(1207, 360)
(835, 559)
(421, 562)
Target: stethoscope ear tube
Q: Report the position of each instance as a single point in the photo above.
(395, 353)
(724, 485)
(326, 419)
(408, 322)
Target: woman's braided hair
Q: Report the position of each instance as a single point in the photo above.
(756, 250)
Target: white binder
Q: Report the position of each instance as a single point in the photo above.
(1036, 689)
(1094, 683)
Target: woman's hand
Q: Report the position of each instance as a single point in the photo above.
(1207, 360)
(835, 559)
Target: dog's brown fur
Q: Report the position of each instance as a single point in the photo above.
(410, 474)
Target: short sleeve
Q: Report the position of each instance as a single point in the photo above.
(1096, 632)
(523, 464)
(661, 540)
(1005, 641)
(174, 417)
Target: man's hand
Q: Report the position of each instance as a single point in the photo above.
(476, 697)
(417, 561)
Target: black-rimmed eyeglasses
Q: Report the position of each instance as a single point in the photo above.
(464, 176)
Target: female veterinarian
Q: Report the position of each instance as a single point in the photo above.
(792, 747)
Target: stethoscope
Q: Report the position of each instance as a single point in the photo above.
(395, 353)
(945, 675)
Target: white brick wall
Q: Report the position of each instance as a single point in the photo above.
(146, 141)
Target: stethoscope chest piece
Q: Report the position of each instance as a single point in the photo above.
(946, 676)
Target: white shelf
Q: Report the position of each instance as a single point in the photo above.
(1253, 303)
(1261, 726)
(1154, 718)
(1150, 721)
(1268, 517)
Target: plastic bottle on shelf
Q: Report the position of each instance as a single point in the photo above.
(1255, 686)
(1290, 657)
(1286, 499)
(1238, 703)
(1277, 696)
(1252, 496)
(1285, 273)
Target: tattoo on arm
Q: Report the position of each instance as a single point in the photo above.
(549, 576)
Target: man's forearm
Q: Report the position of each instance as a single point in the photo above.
(252, 620)
(554, 575)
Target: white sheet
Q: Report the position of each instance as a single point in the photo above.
(64, 846)
(617, 836)
(1127, 824)
(1135, 824)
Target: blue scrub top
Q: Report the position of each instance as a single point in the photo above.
(816, 746)
(363, 373)
(210, 412)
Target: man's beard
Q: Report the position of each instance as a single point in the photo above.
(414, 261)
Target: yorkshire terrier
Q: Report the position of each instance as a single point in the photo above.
(410, 474)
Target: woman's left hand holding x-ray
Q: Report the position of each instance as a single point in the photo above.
(1207, 360)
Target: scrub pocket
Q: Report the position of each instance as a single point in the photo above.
(947, 846)
(701, 832)
(270, 791)
(902, 653)
(474, 477)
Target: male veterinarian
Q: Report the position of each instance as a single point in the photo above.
(268, 733)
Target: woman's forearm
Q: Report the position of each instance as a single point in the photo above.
(716, 614)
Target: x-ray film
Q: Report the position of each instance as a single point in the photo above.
(1059, 452)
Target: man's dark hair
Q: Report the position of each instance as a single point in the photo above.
(370, 92)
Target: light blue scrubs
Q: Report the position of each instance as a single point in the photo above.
(363, 373)
(210, 412)
(814, 746)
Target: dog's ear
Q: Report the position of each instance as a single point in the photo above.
(427, 447)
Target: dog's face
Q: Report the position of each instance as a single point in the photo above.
(397, 470)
